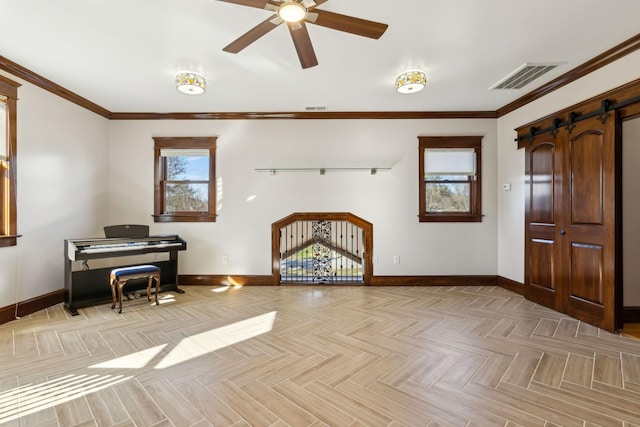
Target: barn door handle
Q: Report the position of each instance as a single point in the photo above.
(562, 232)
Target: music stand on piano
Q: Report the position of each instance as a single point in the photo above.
(126, 230)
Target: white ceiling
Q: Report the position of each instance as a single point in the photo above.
(123, 54)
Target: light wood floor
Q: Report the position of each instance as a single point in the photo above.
(317, 356)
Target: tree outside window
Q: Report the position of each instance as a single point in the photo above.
(184, 179)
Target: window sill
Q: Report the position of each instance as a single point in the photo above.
(184, 217)
(8, 241)
(449, 217)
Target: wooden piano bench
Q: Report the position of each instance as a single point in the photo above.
(119, 276)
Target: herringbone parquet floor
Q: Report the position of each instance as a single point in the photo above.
(317, 356)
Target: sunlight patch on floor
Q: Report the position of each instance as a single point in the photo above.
(166, 299)
(31, 398)
(136, 360)
(215, 339)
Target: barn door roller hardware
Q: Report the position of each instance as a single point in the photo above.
(601, 113)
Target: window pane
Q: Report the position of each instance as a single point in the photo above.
(463, 178)
(453, 161)
(448, 197)
(187, 198)
(3, 129)
(188, 168)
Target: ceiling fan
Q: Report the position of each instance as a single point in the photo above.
(296, 13)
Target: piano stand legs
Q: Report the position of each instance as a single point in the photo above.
(74, 311)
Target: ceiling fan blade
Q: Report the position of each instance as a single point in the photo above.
(308, 4)
(273, 5)
(349, 24)
(252, 35)
(303, 45)
(260, 4)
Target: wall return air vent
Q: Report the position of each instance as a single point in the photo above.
(524, 75)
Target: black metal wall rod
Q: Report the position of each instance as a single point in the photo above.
(605, 107)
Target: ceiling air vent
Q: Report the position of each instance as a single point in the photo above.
(524, 75)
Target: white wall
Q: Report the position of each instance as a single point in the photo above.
(389, 200)
(62, 186)
(511, 160)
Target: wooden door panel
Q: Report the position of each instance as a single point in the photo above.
(541, 170)
(542, 264)
(587, 264)
(587, 178)
(541, 184)
(541, 285)
(590, 239)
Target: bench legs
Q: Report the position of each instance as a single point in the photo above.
(117, 284)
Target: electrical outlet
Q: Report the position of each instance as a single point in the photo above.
(396, 259)
(375, 259)
(225, 259)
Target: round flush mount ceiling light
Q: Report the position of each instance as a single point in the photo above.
(411, 81)
(291, 11)
(191, 83)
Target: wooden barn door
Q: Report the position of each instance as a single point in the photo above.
(589, 246)
(571, 211)
(543, 211)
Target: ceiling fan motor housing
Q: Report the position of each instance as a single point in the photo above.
(291, 11)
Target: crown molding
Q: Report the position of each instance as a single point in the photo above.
(611, 55)
(302, 115)
(46, 84)
(606, 58)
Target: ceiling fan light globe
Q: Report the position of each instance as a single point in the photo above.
(292, 12)
(191, 89)
(410, 88)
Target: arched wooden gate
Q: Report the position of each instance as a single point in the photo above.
(322, 248)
